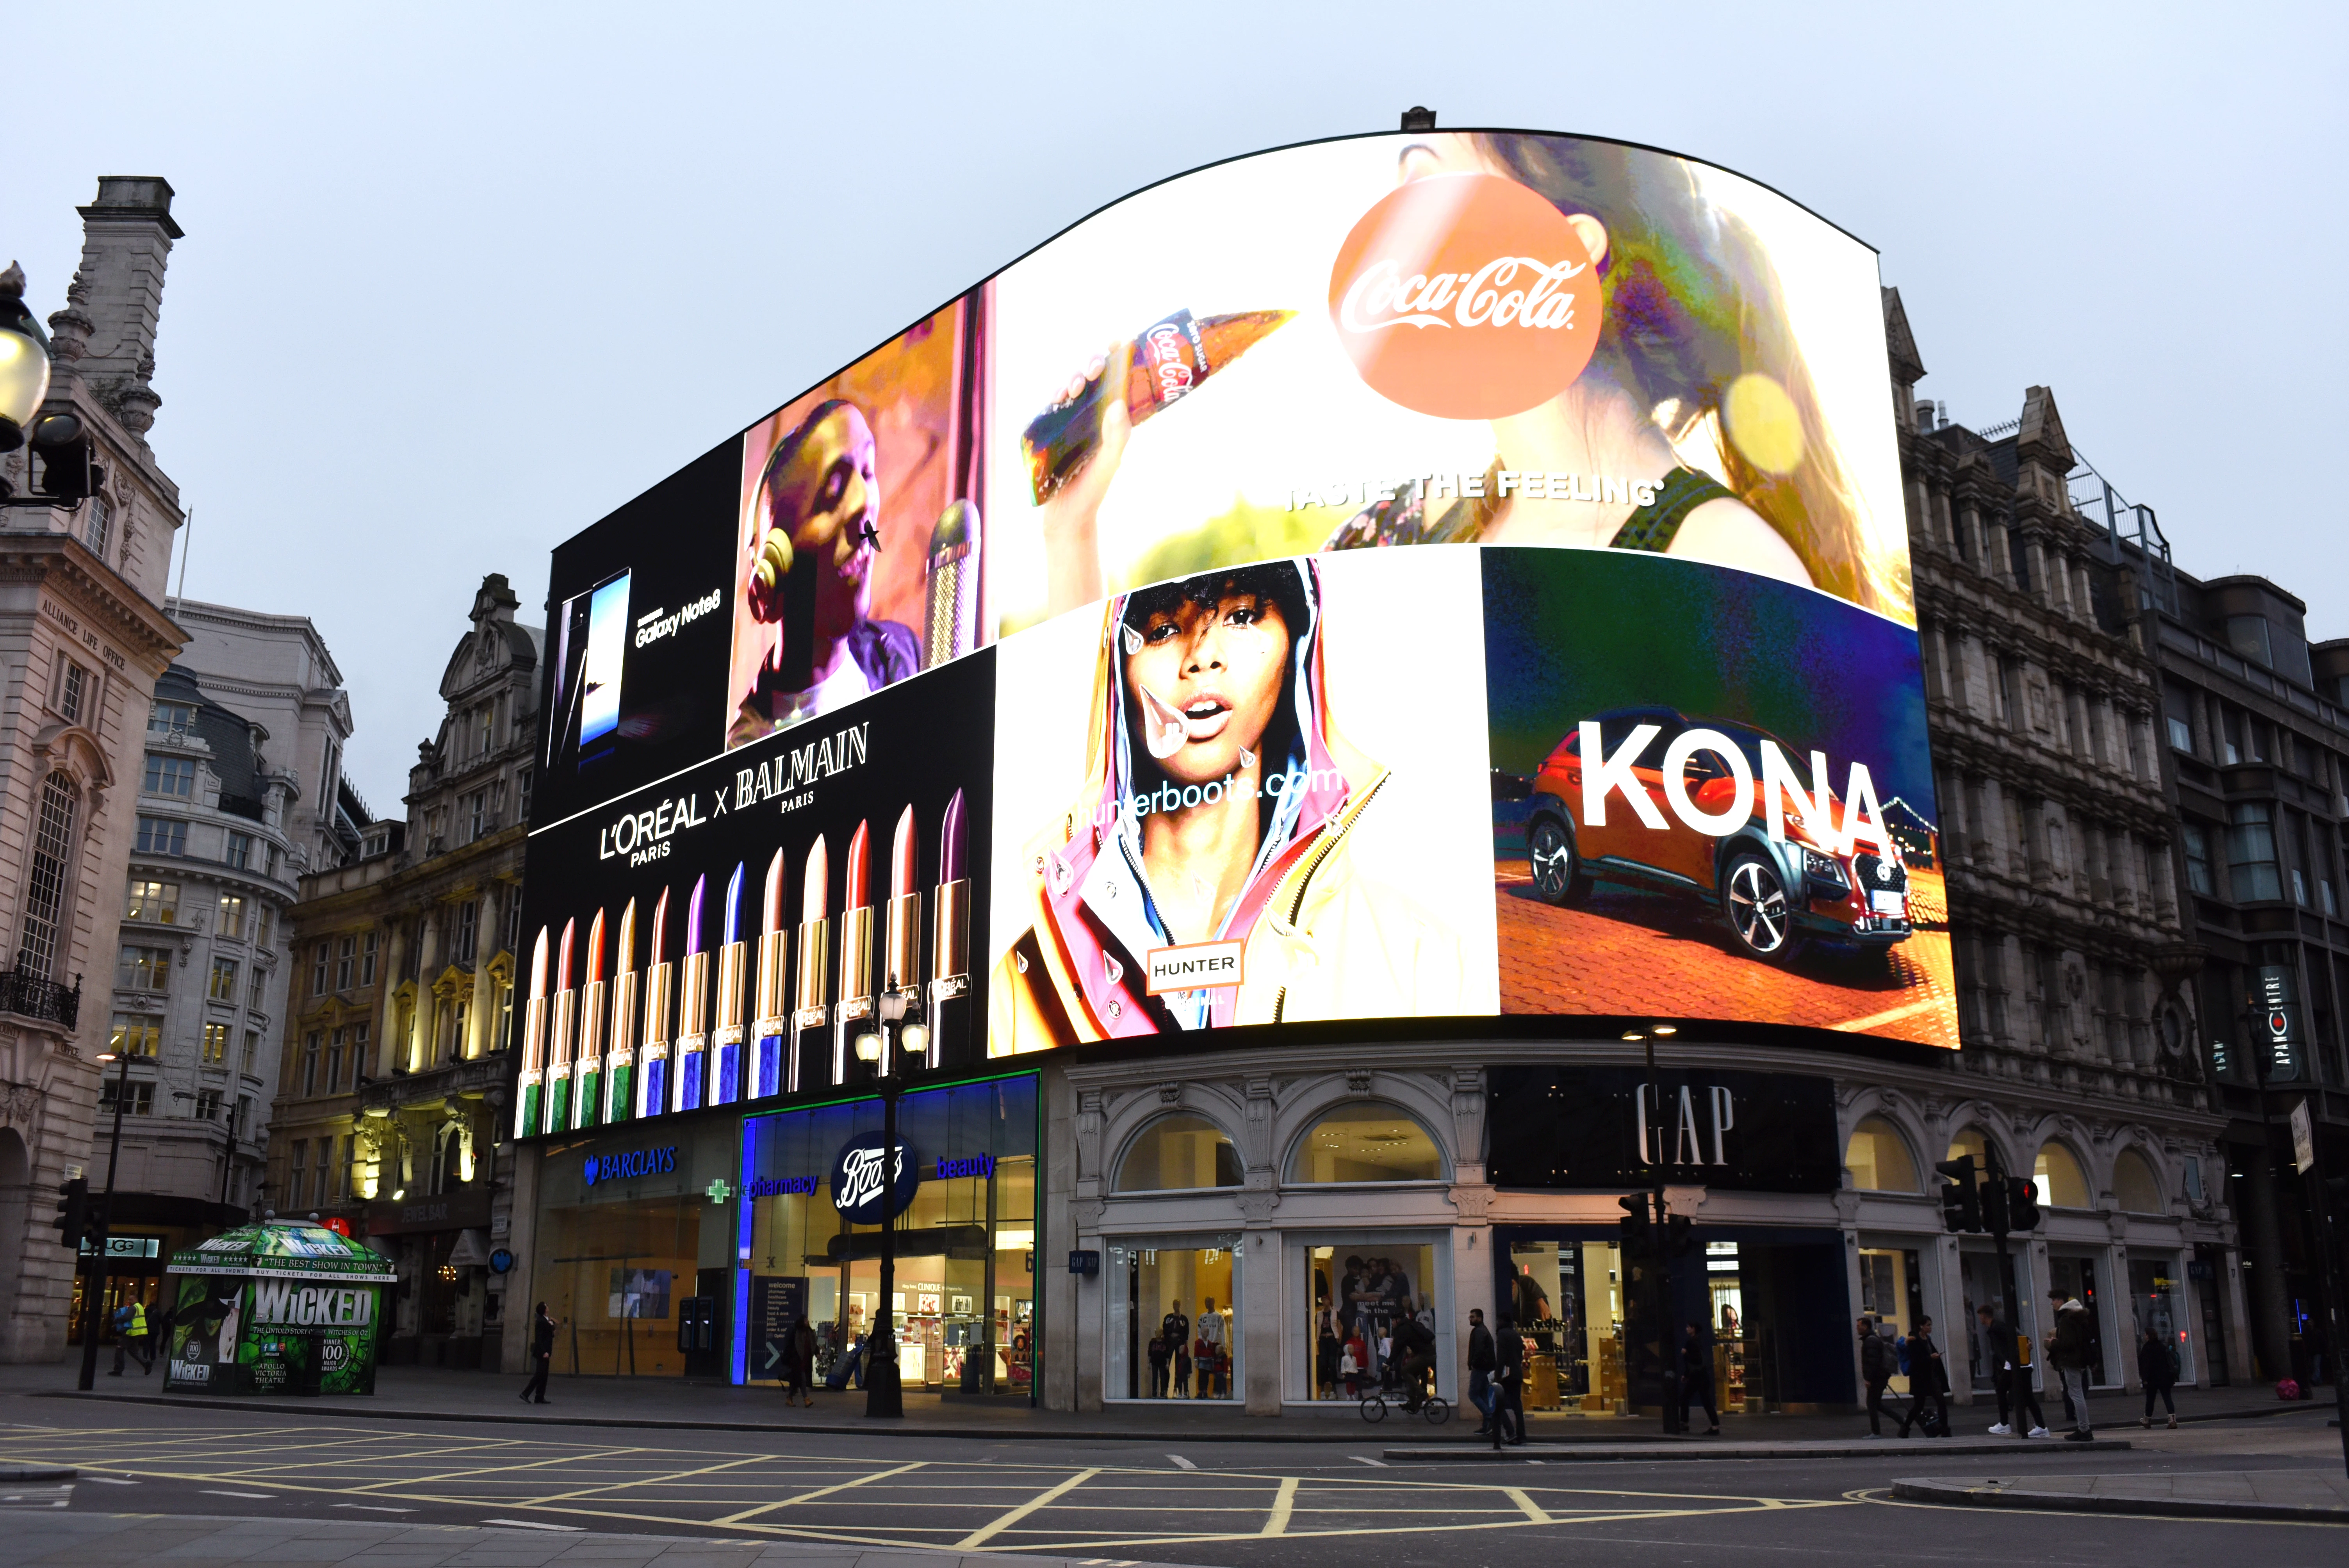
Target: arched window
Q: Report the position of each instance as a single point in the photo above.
(2061, 1183)
(1877, 1158)
(1366, 1142)
(1176, 1152)
(44, 889)
(1970, 1142)
(2134, 1186)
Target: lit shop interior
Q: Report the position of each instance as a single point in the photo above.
(1770, 1299)
(965, 1294)
(631, 1246)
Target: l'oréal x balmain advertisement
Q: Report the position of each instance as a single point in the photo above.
(726, 935)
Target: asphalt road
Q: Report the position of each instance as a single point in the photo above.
(1246, 1505)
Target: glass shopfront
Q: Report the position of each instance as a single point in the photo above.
(1174, 1318)
(2156, 1306)
(631, 1249)
(964, 1295)
(1360, 1291)
(1758, 1302)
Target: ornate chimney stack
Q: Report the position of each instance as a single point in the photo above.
(106, 334)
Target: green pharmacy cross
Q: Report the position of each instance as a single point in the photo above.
(718, 1190)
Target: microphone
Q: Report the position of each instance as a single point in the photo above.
(953, 586)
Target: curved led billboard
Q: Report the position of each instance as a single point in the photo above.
(1068, 667)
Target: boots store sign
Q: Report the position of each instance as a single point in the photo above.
(1587, 1126)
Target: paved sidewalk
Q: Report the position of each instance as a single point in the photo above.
(1728, 1448)
(2312, 1496)
(109, 1540)
(432, 1394)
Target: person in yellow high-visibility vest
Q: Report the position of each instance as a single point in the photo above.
(130, 1337)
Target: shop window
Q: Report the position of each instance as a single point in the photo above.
(1366, 1142)
(2061, 1182)
(1359, 1290)
(2134, 1186)
(1879, 1160)
(1172, 1318)
(965, 1290)
(1176, 1152)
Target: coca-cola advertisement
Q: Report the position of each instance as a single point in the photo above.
(1254, 765)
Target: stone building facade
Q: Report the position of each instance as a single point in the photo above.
(2077, 1006)
(243, 741)
(2255, 726)
(394, 1070)
(83, 639)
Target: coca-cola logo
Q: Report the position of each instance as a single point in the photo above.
(1466, 297)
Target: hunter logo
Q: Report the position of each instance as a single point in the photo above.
(1466, 297)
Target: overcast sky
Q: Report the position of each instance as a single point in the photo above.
(457, 283)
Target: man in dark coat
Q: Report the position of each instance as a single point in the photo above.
(1482, 1359)
(1876, 1365)
(1929, 1382)
(542, 1357)
(1508, 1385)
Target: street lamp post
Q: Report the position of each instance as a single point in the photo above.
(900, 1039)
(94, 1297)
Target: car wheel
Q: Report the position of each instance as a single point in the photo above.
(1557, 873)
(1761, 917)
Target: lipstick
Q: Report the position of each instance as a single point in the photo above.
(587, 1061)
(811, 1002)
(558, 1045)
(950, 932)
(733, 973)
(531, 1089)
(855, 1005)
(901, 944)
(769, 1020)
(620, 1059)
(660, 981)
(685, 1086)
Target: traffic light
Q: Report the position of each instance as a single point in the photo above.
(1677, 1242)
(1997, 1212)
(69, 472)
(1639, 1231)
(73, 1214)
(1961, 1199)
(2022, 1203)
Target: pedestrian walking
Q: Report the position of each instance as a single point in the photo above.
(1508, 1385)
(1482, 1360)
(1696, 1378)
(2068, 1354)
(130, 1337)
(799, 1362)
(2156, 1369)
(542, 1357)
(2010, 1374)
(1928, 1385)
(1876, 1365)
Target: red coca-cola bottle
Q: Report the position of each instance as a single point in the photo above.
(1170, 360)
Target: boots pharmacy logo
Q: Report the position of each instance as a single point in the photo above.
(1466, 297)
(868, 1188)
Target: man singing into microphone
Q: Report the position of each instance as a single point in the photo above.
(806, 581)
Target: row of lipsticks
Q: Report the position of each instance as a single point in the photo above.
(645, 1041)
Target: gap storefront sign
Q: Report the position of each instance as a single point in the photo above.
(961, 1184)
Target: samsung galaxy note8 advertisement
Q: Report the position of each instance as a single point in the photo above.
(1646, 740)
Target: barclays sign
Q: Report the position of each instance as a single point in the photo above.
(635, 1162)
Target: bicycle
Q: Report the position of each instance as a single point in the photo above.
(1434, 1409)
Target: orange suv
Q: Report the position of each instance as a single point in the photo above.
(1777, 898)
